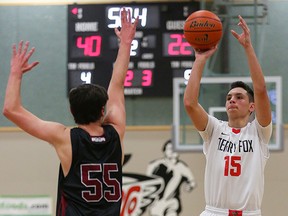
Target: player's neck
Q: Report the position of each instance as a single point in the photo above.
(237, 123)
(94, 129)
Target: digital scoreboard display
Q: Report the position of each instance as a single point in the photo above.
(158, 53)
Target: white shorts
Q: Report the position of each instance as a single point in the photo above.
(212, 211)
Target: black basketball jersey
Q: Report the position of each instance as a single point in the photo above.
(93, 185)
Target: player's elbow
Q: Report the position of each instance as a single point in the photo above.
(189, 104)
(8, 111)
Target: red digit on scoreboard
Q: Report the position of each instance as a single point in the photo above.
(146, 78)
(90, 44)
(178, 46)
(129, 78)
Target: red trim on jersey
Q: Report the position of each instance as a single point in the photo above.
(62, 209)
(235, 212)
(236, 131)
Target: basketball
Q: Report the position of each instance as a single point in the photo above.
(203, 30)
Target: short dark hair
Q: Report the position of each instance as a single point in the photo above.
(243, 85)
(86, 102)
(165, 145)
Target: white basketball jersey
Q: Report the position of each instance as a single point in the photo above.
(235, 161)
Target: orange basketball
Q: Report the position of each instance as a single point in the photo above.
(203, 30)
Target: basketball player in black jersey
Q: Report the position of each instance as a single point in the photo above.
(91, 154)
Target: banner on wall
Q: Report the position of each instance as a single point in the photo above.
(25, 205)
(158, 191)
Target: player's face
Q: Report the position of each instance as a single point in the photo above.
(237, 103)
(169, 153)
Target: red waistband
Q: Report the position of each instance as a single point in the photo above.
(235, 212)
(229, 212)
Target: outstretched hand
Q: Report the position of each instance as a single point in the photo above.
(20, 58)
(128, 29)
(205, 54)
(243, 38)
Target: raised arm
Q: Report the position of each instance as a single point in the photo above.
(262, 103)
(13, 108)
(115, 109)
(195, 111)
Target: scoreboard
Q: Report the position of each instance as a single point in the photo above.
(158, 53)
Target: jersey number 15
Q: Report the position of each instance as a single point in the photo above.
(232, 166)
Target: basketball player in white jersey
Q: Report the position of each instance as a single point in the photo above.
(236, 151)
